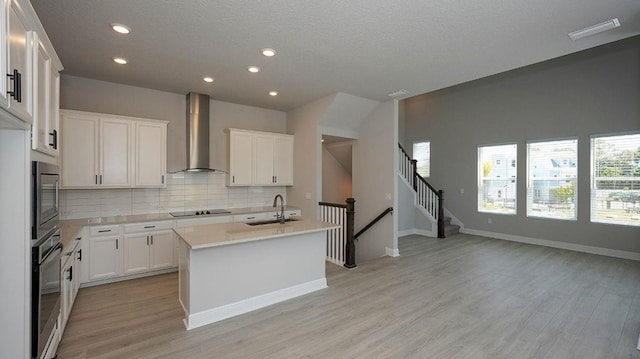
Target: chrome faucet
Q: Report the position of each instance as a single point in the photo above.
(275, 204)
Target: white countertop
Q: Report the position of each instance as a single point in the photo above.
(222, 234)
(71, 227)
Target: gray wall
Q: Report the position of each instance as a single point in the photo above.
(592, 92)
(374, 181)
(83, 94)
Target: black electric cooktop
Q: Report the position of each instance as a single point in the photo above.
(204, 212)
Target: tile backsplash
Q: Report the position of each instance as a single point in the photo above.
(185, 191)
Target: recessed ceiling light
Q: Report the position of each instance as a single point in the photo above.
(254, 69)
(120, 60)
(595, 29)
(268, 52)
(273, 93)
(208, 79)
(123, 29)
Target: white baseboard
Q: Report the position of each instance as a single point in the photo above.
(213, 315)
(392, 252)
(406, 232)
(555, 244)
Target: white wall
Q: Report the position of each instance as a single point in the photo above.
(185, 191)
(15, 263)
(336, 180)
(303, 124)
(374, 180)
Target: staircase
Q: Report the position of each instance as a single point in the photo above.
(450, 229)
(427, 198)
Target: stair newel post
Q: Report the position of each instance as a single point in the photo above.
(414, 169)
(350, 250)
(440, 214)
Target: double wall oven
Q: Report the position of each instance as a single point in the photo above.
(46, 252)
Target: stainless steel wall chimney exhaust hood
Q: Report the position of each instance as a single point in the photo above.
(198, 133)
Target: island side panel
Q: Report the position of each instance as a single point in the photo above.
(229, 274)
(183, 276)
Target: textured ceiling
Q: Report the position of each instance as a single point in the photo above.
(367, 48)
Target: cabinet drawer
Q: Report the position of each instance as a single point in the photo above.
(189, 222)
(105, 230)
(251, 217)
(147, 227)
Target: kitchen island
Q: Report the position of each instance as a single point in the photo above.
(228, 269)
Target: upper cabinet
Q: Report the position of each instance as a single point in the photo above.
(108, 151)
(30, 90)
(19, 67)
(150, 153)
(260, 158)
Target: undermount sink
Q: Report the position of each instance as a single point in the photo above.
(271, 221)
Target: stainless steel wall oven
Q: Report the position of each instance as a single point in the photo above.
(45, 291)
(46, 250)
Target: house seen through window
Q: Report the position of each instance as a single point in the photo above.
(497, 178)
(551, 179)
(615, 179)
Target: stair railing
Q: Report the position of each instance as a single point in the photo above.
(336, 238)
(427, 197)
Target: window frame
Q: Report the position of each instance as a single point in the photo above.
(508, 168)
(413, 153)
(532, 193)
(593, 195)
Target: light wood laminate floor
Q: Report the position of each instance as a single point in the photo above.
(460, 297)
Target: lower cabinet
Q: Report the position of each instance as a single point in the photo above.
(105, 256)
(153, 248)
(70, 280)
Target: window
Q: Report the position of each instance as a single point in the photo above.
(422, 153)
(615, 179)
(551, 179)
(497, 179)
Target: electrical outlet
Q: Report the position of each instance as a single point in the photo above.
(307, 195)
(490, 220)
(387, 196)
(461, 190)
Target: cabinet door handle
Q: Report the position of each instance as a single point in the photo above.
(70, 273)
(151, 240)
(100, 179)
(104, 231)
(147, 239)
(116, 244)
(233, 179)
(96, 179)
(80, 255)
(149, 226)
(162, 179)
(54, 134)
(17, 85)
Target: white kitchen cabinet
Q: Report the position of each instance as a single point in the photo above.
(283, 160)
(115, 169)
(240, 158)
(46, 88)
(96, 152)
(19, 69)
(260, 158)
(150, 153)
(109, 151)
(148, 247)
(80, 150)
(105, 253)
(70, 280)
